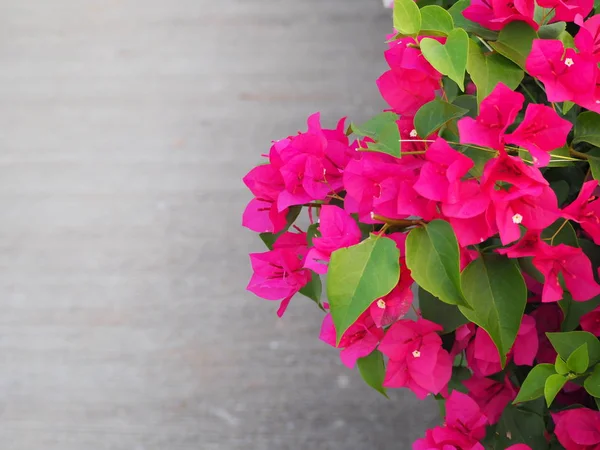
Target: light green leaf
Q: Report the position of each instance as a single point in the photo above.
(357, 276)
(554, 383)
(567, 343)
(433, 115)
(561, 366)
(567, 107)
(587, 128)
(515, 41)
(592, 382)
(372, 370)
(567, 39)
(533, 386)
(436, 19)
(488, 70)
(579, 360)
(372, 127)
(384, 131)
(450, 58)
(433, 309)
(407, 17)
(432, 256)
(495, 290)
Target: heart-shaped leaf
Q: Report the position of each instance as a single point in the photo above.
(435, 19)
(407, 17)
(433, 115)
(450, 58)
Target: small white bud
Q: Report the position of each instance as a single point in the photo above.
(517, 218)
(413, 133)
(381, 303)
(569, 62)
(416, 354)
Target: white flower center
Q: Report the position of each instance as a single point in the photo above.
(517, 218)
(569, 62)
(413, 133)
(417, 354)
(381, 303)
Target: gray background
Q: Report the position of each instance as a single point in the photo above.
(125, 129)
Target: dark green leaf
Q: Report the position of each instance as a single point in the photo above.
(587, 128)
(468, 102)
(579, 360)
(436, 19)
(433, 115)
(561, 189)
(450, 58)
(533, 386)
(432, 256)
(488, 70)
(572, 311)
(567, 343)
(519, 426)
(270, 238)
(460, 21)
(554, 383)
(479, 158)
(552, 30)
(357, 276)
(459, 374)
(311, 232)
(372, 370)
(561, 366)
(496, 292)
(313, 289)
(450, 89)
(561, 232)
(514, 42)
(432, 308)
(407, 17)
(592, 382)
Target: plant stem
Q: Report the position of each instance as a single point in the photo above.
(578, 154)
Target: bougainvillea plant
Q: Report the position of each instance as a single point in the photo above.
(459, 230)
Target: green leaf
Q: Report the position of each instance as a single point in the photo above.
(468, 102)
(495, 290)
(372, 128)
(436, 19)
(313, 289)
(572, 311)
(459, 374)
(552, 30)
(587, 128)
(594, 166)
(270, 238)
(543, 15)
(488, 70)
(561, 232)
(460, 21)
(312, 232)
(407, 17)
(357, 276)
(433, 309)
(533, 386)
(567, 107)
(567, 39)
(450, 58)
(554, 383)
(561, 189)
(433, 115)
(515, 41)
(479, 158)
(432, 256)
(567, 343)
(372, 370)
(384, 131)
(450, 89)
(520, 426)
(579, 361)
(592, 382)
(561, 366)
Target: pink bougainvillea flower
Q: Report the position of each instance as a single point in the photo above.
(590, 322)
(548, 318)
(357, 342)
(411, 82)
(440, 176)
(541, 131)
(586, 210)
(386, 310)
(566, 10)
(495, 14)
(512, 170)
(311, 163)
(280, 273)
(529, 245)
(526, 343)
(338, 230)
(416, 357)
(566, 75)
(587, 39)
(261, 214)
(496, 112)
(462, 338)
(464, 427)
(482, 355)
(578, 429)
(491, 396)
(576, 270)
(519, 447)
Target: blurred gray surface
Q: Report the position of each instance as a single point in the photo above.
(125, 128)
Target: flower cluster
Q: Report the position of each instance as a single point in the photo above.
(485, 200)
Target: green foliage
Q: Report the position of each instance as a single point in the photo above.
(579, 361)
(270, 238)
(450, 58)
(573, 311)
(432, 308)
(357, 276)
(561, 366)
(561, 232)
(533, 386)
(372, 370)
(587, 128)
(384, 131)
(435, 114)
(436, 20)
(313, 289)
(514, 42)
(495, 290)
(592, 382)
(432, 256)
(487, 70)
(456, 11)
(520, 426)
(407, 17)
(567, 343)
(554, 383)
